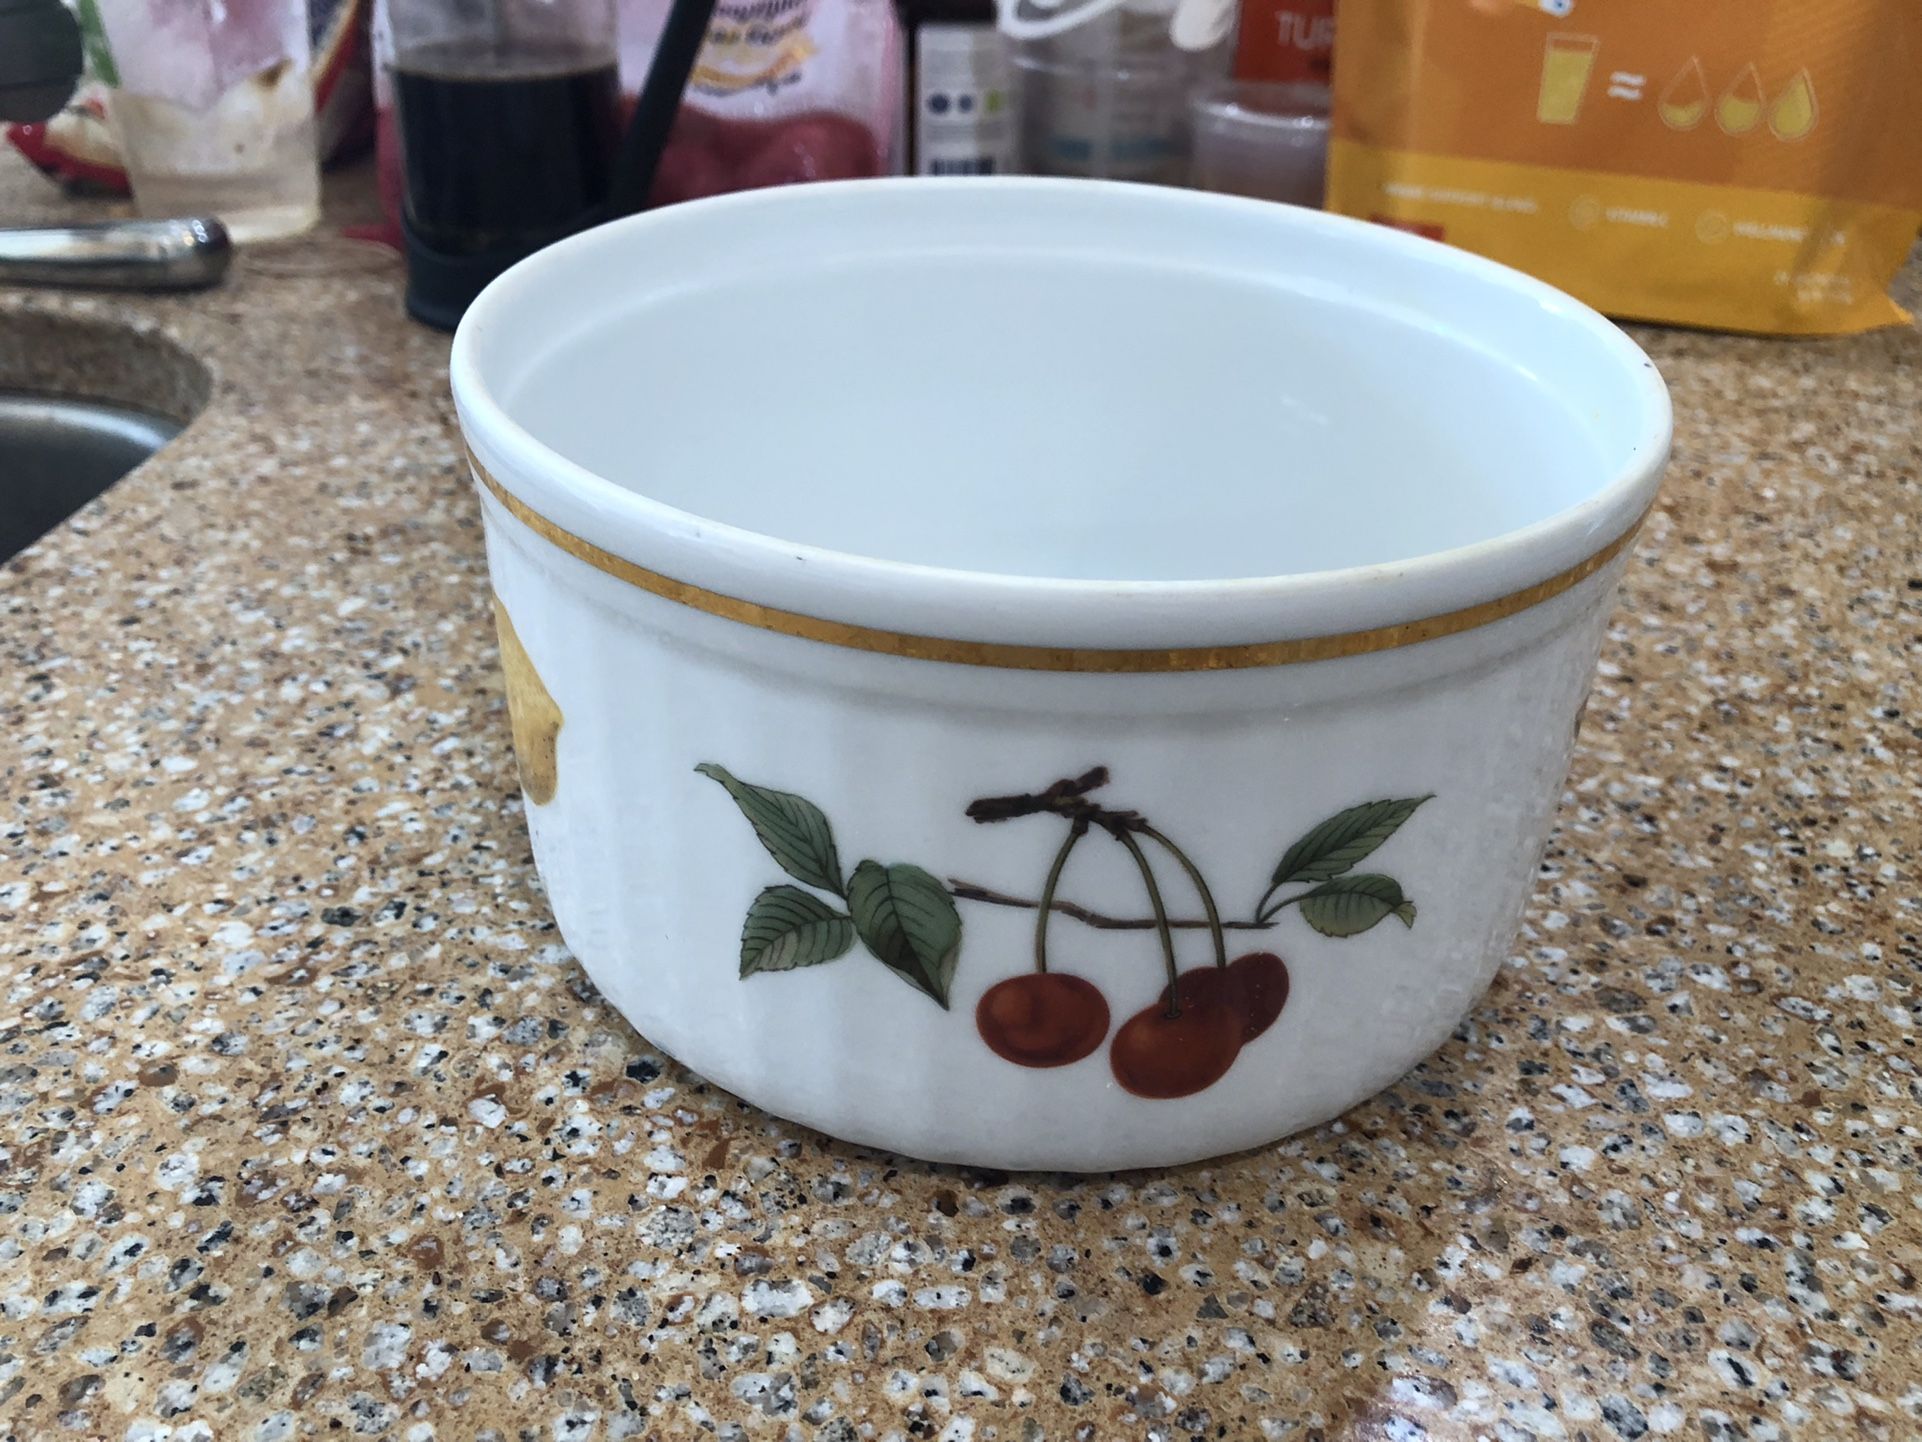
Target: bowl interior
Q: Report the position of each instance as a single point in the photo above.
(1118, 386)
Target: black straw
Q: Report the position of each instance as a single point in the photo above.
(656, 106)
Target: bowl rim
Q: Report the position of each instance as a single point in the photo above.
(915, 609)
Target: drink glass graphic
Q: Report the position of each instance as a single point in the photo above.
(1568, 62)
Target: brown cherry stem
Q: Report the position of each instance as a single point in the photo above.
(1067, 797)
(964, 890)
(1264, 897)
(1161, 916)
(1261, 907)
(1267, 917)
(1201, 889)
(1075, 832)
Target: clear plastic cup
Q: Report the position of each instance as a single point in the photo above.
(1114, 120)
(1108, 97)
(213, 107)
(1262, 139)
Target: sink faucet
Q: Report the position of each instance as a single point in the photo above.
(181, 254)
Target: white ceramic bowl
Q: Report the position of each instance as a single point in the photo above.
(816, 516)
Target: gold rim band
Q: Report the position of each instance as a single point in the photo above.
(1051, 658)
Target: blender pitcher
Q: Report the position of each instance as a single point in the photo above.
(508, 114)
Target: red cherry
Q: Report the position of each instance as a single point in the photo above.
(1203, 985)
(1042, 1018)
(1257, 991)
(1254, 987)
(1161, 1056)
(818, 146)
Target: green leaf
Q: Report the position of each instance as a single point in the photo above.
(1349, 905)
(908, 920)
(792, 828)
(1343, 839)
(788, 927)
(93, 41)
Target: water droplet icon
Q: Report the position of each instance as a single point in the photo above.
(1792, 116)
(1741, 104)
(1685, 101)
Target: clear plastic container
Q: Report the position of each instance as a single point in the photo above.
(1262, 139)
(213, 109)
(1109, 98)
(1106, 120)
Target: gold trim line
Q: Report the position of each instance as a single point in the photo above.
(1051, 658)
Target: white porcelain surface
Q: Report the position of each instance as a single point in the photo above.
(1045, 414)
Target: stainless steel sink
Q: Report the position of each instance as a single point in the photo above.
(83, 400)
(57, 453)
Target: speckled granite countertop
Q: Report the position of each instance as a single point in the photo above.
(309, 1126)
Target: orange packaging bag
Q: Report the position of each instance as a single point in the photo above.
(1751, 165)
(1290, 41)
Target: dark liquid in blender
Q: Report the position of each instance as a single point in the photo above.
(505, 148)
